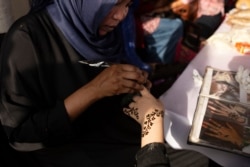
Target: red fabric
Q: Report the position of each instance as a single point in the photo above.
(183, 54)
(144, 7)
(139, 33)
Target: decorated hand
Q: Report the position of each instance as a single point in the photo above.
(231, 112)
(145, 109)
(148, 112)
(226, 132)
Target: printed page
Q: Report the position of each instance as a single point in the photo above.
(222, 115)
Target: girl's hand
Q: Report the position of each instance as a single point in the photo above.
(145, 107)
(148, 112)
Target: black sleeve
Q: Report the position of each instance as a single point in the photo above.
(152, 155)
(31, 114)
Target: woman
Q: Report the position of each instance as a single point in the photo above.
(62, 112)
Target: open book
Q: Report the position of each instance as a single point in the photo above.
(222, 116)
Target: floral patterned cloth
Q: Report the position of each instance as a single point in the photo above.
(210, 7)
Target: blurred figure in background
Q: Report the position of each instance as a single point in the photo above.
(210, 14)
(159, 30)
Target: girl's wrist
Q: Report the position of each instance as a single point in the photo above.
(156, 115)
(152, 134)
(152, 128)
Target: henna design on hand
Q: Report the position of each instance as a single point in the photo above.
(132, 111)
(149, 121)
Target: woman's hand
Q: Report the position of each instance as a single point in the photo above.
(114, 80)
(144, 107)
(118, 79)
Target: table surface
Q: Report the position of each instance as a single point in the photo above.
(180, 100)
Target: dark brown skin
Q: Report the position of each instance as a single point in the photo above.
(114, 80)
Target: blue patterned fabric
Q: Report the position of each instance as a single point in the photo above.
(129, 37)
(161, 44)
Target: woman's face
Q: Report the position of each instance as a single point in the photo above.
(114, 17)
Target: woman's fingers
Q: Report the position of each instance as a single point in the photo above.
(121, 78)
(136, 76)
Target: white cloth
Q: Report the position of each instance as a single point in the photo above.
(180, 100)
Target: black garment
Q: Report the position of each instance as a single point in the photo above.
(208, 24)
(153, 155)
(1, 38)
(39, 69)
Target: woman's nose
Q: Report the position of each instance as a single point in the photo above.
(119, 15)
